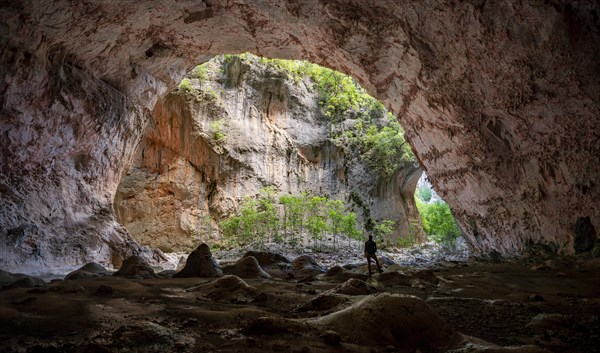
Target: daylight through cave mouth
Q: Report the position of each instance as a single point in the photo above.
(244, 142)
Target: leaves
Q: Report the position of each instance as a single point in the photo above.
(262, 218)
(438, 222)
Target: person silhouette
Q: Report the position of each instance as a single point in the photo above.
(370, 250)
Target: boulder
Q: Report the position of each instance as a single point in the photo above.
(200, 263)
(354, 287)
(135, 267)
(323, 303)
(247, 267)
(306, 266)
(551, 322)
(228, 288)
(339, 274)
(89, 270)
(405, 322)
(596, 250)
(17, 280)
(385, 261)
(585, 235)
(265, 258)
(394, 278)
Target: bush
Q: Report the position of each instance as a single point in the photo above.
(218, 135)
(200, 73)
(185, 86)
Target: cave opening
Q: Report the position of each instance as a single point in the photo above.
(240, 131)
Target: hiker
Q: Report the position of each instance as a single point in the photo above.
(370, 250)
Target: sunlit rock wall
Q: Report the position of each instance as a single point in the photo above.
(184, 180)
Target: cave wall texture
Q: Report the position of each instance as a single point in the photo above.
(500, 100)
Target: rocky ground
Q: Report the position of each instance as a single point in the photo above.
(267, 302)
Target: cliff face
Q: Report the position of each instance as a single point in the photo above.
(246, 127)
(500, 100)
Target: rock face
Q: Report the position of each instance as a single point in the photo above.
(245, 127)
(500, 101)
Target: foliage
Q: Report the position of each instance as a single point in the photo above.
(385, 149)
(185, 86)
(383, 229)
(375, 133)
(335, 213)
(424, 193)
(282, 218)
(200, 73)
(348, 226)
(218, 135)
(438, 222)
(316, 221)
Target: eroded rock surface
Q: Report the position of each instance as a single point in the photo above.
(500, 101)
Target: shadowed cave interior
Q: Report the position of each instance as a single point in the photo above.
(104, 147)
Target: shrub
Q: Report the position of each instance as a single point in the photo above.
(218, 135)
(200, 73)
(185, 86)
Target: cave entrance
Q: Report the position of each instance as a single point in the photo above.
(508, 135)
(273, 148)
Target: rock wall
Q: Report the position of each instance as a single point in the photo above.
(184, 180)
(500, 100)
(66, 139)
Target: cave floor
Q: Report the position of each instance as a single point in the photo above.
(504, 304)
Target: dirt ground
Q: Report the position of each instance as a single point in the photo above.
(450, 307)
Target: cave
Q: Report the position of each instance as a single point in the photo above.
(499, 100)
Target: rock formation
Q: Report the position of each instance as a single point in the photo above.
(500, 101)
(135, 267)
(200, 263)
(244, 127)
(247, 267)
(405, 322)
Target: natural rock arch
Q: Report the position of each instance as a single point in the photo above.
(499, 101)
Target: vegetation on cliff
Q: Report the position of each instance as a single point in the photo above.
(359, 122)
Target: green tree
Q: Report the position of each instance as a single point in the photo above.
(218, 134)
(185, 86)
(267, 215)
(348, 227)
(383, 229)
(424, 193)
(335, 213)
(316, 222)
(438, 222)
(230, 229)
(248, 221)
(200, 73)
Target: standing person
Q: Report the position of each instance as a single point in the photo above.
(370, 250)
